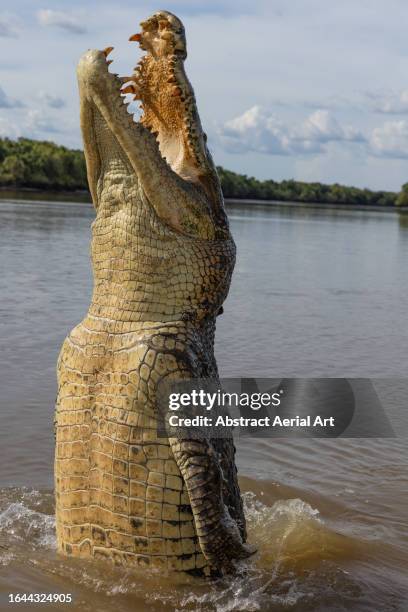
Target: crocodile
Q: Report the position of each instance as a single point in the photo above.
(162, 257)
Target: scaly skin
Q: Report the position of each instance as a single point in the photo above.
(162, 260)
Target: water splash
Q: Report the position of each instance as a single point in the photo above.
(292, 568)
(296, 563)
(23, 523)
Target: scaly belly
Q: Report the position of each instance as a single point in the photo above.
(120, 494)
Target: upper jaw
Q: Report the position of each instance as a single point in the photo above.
(162, 34)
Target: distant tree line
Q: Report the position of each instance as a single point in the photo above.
(241, 186)
(35, 164)
(41, 165)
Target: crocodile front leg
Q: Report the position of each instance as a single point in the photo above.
(219, 535)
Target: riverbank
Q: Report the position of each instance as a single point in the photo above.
(83, 197)
(28, 165)
(42, 195)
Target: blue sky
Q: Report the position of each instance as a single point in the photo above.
(304, 89)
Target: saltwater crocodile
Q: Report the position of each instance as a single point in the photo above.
(162, 258)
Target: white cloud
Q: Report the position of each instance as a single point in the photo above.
(393, 103)
(258, 130)
(62, 19)
(51, 100)
(254, 130)
(7, 102)
(390, 140)
(323, 127)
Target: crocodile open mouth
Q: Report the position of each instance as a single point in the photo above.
(167, 101)
(168, 135)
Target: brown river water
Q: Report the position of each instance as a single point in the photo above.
(316, 293)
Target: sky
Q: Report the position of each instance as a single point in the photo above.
(305, 89)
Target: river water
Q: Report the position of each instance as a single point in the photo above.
(315, 293)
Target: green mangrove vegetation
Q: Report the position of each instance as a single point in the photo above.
(34, 164)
